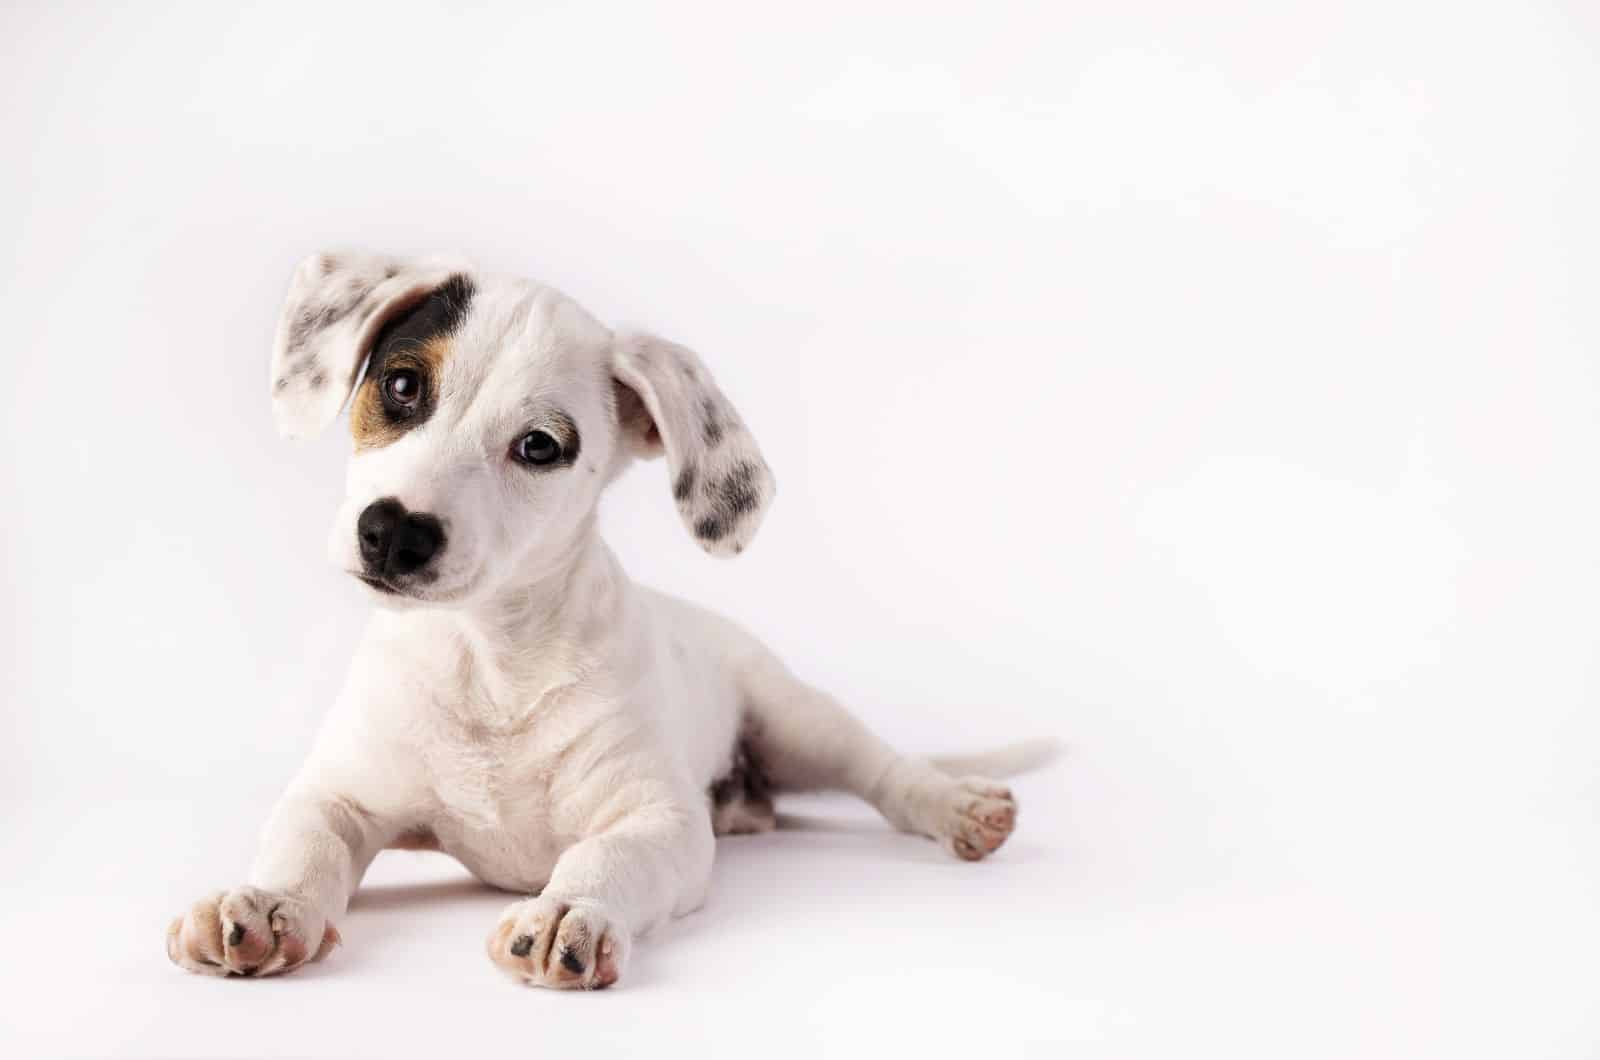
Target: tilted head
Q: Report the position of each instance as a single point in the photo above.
(489, 415)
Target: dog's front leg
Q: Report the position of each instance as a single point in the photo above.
(315, 848)
(578, 931)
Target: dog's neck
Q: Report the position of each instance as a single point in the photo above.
(532, 634)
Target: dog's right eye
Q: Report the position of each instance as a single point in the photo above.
(402, 389)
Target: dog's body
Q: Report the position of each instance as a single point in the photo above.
(518, 703)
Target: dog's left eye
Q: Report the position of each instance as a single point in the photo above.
(536, 448)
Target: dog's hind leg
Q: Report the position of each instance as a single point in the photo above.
(799, 738)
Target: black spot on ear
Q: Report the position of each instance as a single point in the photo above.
(711, 528)
(711, 426)
(315, 318)
(736, 493)
(570, 962)
(728, 500)
(522, 945)
(685, 484)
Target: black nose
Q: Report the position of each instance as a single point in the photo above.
(395, 542)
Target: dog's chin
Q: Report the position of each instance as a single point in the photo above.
(399, 596)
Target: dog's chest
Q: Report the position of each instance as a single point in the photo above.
(492, 809)
(492, 769)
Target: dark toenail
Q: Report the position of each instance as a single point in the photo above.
(570, 962)
(236, 936)
(522, 945)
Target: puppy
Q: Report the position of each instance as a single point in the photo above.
(517, 702)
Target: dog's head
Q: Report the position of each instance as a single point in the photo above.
(488, 413)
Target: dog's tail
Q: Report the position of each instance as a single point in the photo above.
(1022, 757)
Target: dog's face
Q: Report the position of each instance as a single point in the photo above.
(488, 416)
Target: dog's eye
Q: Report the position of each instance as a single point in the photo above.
(402, 388)
(537, 448)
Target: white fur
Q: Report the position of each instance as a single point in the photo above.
(529, 709)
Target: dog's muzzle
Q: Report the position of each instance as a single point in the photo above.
(397, 545)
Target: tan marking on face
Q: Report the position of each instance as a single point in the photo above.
(370, 423)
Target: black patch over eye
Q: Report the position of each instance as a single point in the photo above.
(402, 389)
(536, 448)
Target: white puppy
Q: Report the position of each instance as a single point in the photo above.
(517, 702)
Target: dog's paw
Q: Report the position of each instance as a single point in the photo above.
(247, 931)
(976, 817)
(567, 945)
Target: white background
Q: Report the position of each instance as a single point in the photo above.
(1213, 386)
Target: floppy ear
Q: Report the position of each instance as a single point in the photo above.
(666, 400)
(337, 304)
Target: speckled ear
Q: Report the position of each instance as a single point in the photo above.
(336, 305)
(668, 401)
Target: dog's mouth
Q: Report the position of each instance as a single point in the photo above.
(382, 585)
(400, 593)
